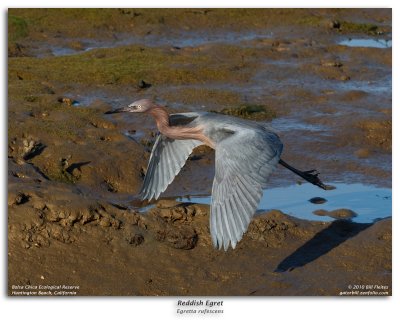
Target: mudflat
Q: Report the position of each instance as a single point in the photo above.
(320, 77)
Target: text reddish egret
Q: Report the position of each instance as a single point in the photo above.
(246, 152)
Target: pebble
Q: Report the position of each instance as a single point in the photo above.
(144, 85)
(337, 214)
(334, 24)
(317, 200)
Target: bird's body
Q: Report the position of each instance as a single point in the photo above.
(246, 153)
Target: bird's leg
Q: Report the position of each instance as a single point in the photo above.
(310, 175)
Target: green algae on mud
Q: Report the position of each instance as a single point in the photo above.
(342, 26)
(17, 28)
(367, 28)
(251, 112)
(125, 65)
(74, 22)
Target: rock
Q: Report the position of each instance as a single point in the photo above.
(143, 85)
(334, 24)
(336, 214)
(317, 200)
(17, 199)
(25, 149)
(68, 101)
(32, 149)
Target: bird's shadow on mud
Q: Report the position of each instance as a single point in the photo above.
(323, 242)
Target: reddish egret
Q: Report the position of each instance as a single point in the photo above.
(246, 152)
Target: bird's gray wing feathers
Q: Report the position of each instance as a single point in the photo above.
(243, 163)
(166, 160)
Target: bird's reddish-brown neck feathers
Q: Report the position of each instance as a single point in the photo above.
(161, 117)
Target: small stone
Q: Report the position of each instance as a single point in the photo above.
(317, 200)
(143, 85)
(334, 24)
(21, 198)
(68, 101)
(337, 214)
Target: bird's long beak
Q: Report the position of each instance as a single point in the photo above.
(119, 110)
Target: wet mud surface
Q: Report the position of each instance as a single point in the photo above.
(74, 173)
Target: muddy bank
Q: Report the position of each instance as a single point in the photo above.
(74, 172)
(106, 250)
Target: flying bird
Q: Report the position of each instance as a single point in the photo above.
(246, 152)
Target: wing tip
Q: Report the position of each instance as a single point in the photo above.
(143, 195)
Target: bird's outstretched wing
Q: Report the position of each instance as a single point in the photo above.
(243, 163)
(166, 160)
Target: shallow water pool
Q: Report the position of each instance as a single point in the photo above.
(369, 202)
(367, 43)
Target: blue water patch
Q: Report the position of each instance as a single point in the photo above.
(367, 43)
(369, 202)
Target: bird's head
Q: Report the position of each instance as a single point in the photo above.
(142, 105)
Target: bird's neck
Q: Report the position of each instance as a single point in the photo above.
(161, 116)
